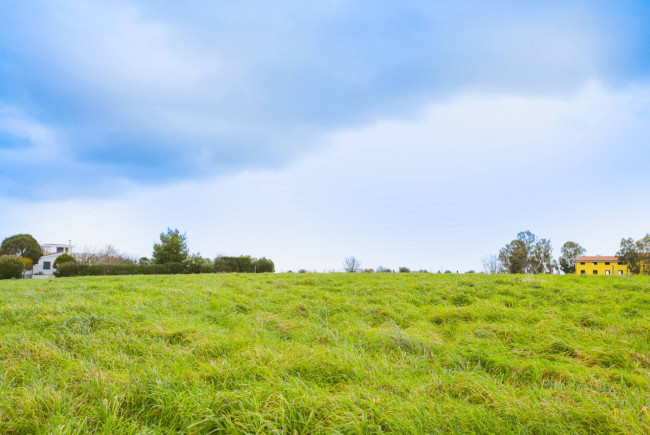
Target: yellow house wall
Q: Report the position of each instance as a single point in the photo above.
(613, 267)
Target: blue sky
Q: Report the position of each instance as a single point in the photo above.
(410, 133)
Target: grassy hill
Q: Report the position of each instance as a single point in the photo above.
(324, 353)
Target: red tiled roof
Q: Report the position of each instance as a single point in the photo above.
(602, 258)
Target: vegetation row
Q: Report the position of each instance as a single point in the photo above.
(222, 265)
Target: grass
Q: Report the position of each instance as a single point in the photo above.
(302, 353)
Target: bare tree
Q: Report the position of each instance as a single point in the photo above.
(108, 255)
(351, 264)
(492, 264)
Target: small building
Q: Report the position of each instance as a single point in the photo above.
(51, 251)
(600, 266)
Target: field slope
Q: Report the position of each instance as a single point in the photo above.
(301, 353)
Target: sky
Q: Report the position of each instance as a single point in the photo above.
(413, 133)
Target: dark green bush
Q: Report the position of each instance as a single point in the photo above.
(11, 266)
(62, 259)
(243, 264)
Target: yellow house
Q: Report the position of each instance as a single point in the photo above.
(600, 266)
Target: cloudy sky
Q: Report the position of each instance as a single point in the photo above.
(416, 133)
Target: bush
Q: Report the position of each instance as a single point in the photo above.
(11, 267)
(264, 265)
(29, 264)
(241, 264)
(194, 263)
(62, 259)
(404, 270)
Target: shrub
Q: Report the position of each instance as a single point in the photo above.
(11, 267)
(193, 263)
(404, 270)
(62, 259)
(29, 264)
(242, 264)
(264, 265)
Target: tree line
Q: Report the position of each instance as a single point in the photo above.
(529, 254)
(170, 255)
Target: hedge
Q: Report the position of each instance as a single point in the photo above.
(11, 267)
(71, 269)
(244, 264)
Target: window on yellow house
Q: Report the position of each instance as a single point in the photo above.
(595, 272)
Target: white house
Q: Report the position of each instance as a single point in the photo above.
(45, 266)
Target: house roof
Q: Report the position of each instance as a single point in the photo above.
(599, 258)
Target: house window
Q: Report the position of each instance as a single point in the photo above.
(595, 263)
(582, 272)
(582, 264)
(607, 272)
(620, 272)
(595, 272)
(59, 249)
(607, 263)
(46, 265)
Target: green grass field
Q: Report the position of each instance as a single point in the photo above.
(301, 353)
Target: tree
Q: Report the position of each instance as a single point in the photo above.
(352, 265)
(528, 254)
(11, 267)
(636, 255)
(22, 245)
(172, 247)
(28, 264)
(404, 269)
(144, 261)
(514, 257)
(492, 264)
(541, 257)
(62, 259)
(108, 255)
(569, 252)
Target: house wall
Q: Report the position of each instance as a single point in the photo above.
(600, 268)
(39, 267)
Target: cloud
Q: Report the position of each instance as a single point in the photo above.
(439, 190)
(148, 92)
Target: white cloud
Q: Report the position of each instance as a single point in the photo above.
(439, 190)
